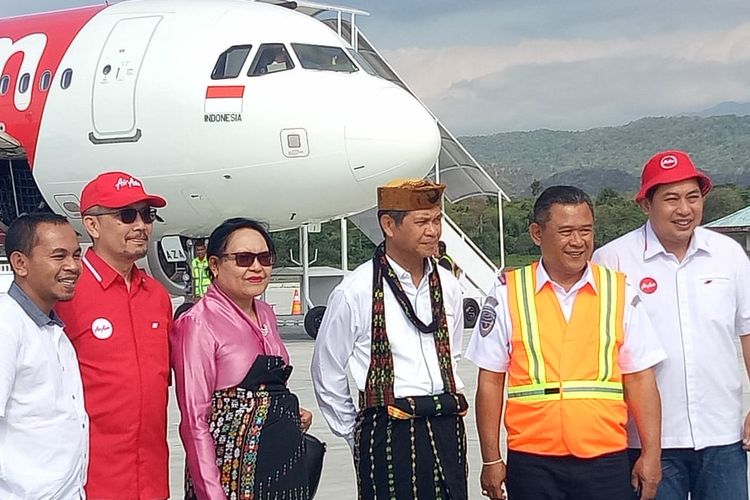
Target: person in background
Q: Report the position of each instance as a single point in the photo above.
(199, 270)
(397, 323)
(694, 286)
(44, 430)
(576, 349)
(118, 321)
(446, 261)
(241, 426)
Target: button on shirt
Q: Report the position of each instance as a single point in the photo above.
(640, 348)
(120, 336)
(44, 435)
(345, 334)
(698, 307)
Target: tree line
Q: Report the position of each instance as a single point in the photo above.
(615, 214)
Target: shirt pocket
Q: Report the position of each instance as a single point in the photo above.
(716, 301)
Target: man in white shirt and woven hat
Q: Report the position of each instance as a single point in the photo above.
(396, 322)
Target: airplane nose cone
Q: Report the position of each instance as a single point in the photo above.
(391, 135)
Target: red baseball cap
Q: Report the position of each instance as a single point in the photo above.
(668, 167)
(116, 190)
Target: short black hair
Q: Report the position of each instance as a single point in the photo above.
(396, 215)
(199, 243)
(217, 242)
(21, 235)
(558, 195)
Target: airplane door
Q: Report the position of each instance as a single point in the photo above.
(116, 79)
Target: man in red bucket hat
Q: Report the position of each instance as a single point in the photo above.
(118, 322)
(693, 283)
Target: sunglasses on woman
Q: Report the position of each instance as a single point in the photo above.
(247, 259)
(128, 215)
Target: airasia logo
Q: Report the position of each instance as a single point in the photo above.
(32, 47)
(101, 328)
(668, 162)
(648, 285)
(128, 183)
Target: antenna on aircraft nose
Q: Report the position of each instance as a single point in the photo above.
(288, 5)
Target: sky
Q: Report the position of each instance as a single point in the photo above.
(486, 66)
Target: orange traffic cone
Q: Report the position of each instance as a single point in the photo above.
(296, 304)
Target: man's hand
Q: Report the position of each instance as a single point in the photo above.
(746, 433)
(305, 419)
(646, 475)
(492, 480)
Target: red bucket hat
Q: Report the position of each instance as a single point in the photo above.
(668, 167)
(116, 190)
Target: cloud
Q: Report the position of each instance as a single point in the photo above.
(577, 83)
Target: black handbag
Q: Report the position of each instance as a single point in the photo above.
(315, 450)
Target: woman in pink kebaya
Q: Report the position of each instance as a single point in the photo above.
(241, 426)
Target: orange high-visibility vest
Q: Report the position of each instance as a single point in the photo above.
(565, 392)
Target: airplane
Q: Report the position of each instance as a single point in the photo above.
(224, 107)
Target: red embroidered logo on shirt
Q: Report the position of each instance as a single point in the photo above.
(648, 285)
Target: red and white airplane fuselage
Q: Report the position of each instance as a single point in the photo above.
(141, 86)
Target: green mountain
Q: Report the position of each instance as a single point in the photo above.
(613, 156)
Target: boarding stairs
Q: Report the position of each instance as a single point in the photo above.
(456, 168)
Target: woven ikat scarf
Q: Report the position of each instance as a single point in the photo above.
(380, 377)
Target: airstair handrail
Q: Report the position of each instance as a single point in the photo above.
(465, 238)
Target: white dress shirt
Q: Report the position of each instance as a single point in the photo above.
(44, 430)
(698, 307)
(640, 348)
(343, 342)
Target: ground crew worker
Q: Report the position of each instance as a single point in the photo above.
(397, 323)
(199, 270)
(694, 285)
(118, 322)
(446, 261)
(576, 350)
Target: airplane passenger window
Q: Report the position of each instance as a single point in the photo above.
(45, 80)
(271, 58)
(67, 77)
(323, 58)
(4, 84)
(23, 83)
(230, 62)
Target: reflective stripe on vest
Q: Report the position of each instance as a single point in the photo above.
(540, 389)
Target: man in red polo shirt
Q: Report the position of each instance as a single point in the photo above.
(118, 322)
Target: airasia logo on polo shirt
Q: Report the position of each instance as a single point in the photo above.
(668, 162)
(648, 285)
(130, 183)
(102, 328)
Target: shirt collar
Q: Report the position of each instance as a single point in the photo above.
(405, 276)
(542, 278)
(652, 246)
(105, 274)
(32, 310)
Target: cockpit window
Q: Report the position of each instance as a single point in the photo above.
(362, 62)
(230, 62)
(323, 58)
(271, 58)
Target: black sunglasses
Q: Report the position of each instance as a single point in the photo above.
(247, 259)
(128, 215)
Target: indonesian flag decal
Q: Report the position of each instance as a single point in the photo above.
(224, 99)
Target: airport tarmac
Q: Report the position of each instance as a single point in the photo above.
(337, 481)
